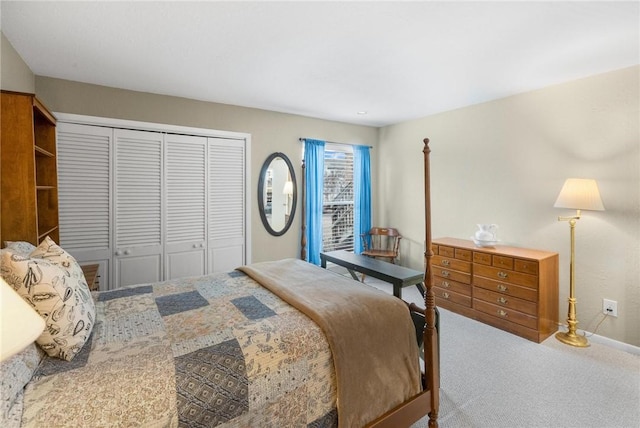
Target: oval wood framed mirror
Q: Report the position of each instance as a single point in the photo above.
(277, 194)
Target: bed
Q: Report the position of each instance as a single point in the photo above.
(281, 343)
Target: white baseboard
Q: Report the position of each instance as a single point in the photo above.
(626, 347)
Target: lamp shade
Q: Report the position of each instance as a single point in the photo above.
(288, 188)
(20, 324)
(580, 194)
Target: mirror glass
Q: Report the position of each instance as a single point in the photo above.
(277, 193)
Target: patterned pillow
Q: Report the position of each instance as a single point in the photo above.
(22, 248)
(53, 283)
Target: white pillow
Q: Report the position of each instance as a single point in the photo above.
(52, 282)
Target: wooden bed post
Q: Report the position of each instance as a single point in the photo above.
(427, 401)
(303, 213)
(432, 364)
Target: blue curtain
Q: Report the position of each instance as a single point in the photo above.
(314, 188)
(361, 195)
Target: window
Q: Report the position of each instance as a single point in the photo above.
(337, 206)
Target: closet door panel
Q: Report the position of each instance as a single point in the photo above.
(138, 207)
(185, 260)
(226, 258)
(84, 191)
(226, 214)
(139, 265)
(185, 195)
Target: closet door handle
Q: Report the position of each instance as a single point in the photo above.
(127, 252)
(118, 253)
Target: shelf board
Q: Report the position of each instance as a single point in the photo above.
(45, 187)
(42, 152)
(41, 236)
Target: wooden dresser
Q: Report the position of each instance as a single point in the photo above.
(514, 289)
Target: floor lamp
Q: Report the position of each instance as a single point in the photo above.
(578, 194)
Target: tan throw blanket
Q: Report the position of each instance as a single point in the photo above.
(371, 335)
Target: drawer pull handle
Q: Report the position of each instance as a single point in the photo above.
(502, 313)
(502, 300)
(445, 284)
(502, 287)
(445, 295)
(445, 262)
(445, 273)
(502, 275)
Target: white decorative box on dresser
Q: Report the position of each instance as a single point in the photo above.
(511, 288)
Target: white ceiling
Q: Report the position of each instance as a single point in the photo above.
(395, 60)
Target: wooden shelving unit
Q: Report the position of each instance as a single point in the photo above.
(29, 189)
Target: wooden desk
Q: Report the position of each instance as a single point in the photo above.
(91, 276)
(399, 276)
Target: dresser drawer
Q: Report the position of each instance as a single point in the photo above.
(452, 296)
(445, 251)
(451, 263)
(506, 289)
(461, 254)
(526, 266)
(506, 313)
(482, 258)
(447, 284)
(465, 278)
(502, 262)
(505, 275)
(505, 301)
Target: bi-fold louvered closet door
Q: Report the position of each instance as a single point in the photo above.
(149, 206)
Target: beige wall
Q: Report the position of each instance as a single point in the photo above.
(270, 132)
(15, 75)
(505, 161)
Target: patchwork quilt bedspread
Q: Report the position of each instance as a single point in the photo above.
(217, 350)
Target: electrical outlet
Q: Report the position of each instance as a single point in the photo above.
(610, 307)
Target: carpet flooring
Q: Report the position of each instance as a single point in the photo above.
(491, 378)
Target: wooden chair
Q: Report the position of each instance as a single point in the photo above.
(381, 242)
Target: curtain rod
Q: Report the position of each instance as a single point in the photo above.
(332, 142)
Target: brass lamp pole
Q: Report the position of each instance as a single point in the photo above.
(576, 194)
(570, 337)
